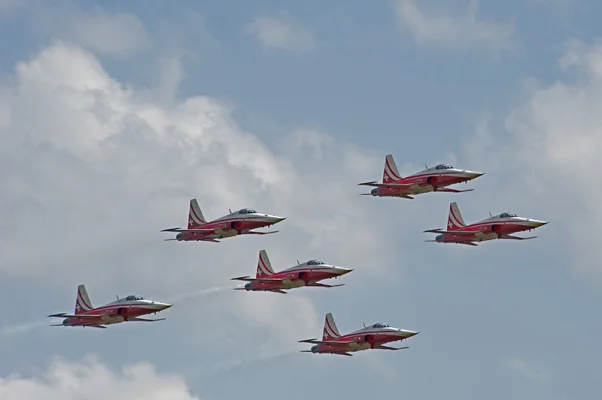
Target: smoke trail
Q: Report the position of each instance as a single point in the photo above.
(197, 293)
(11, 330)
(250, 362)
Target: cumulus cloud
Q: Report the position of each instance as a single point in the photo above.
(90, 379)
(92, 169)
(554, 139)
(456, 31)
(282, 33)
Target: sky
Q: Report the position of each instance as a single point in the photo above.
(114, 114)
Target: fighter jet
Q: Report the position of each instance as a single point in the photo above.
(369, 337)
(500, 226)
(236, 223)
(435, 179)
(129, 308)
(302, 274)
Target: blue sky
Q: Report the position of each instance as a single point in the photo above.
(113, 115)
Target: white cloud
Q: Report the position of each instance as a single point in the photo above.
(91, 380)
(282, 34)
(456, 31)
(91, 170)
(532, 371)
(554, 139)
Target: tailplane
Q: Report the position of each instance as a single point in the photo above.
(455, 220)
(330, 328)
(390, 173)
(264, 266)
(82, 301)
(195, 216)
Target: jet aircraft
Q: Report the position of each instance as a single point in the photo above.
(240, 222)
(374, 336)
(302, 274)
(129, 308)
(500, 226)
(435, 179)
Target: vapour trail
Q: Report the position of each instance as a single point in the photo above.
(196, 293)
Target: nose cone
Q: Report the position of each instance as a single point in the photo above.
(275, 219)
(162, 306)
(407, 334)
(536, 224)
(342, 271)
(474, 174)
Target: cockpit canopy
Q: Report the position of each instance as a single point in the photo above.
(246, 211)
(508, 215)
(315, 262)
(443, 166)
(134, 297)
(380, 325)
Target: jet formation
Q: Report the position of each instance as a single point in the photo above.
(310, 273)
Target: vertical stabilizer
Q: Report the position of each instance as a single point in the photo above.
(264, 266)
(390, 173)
(455, 220)
(82, 301)
(195, 216)
(330, 328)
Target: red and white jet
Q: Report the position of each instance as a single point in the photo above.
(500, 226)
(236, 223)
(129, 308)
(303, 274)
(435, 179)
(369, 337)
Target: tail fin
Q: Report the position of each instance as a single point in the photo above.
(195, 216)
(390, 173)
(264, 266)
(82, 301)
(330, 328)
(454, 220)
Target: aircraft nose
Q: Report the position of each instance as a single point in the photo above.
(343, 271)
(474, 174)
(407, 334)
(163, 306)
(537, 223)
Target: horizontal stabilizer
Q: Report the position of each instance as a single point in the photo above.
(277, 291)
(172, 229)
(96, 326)
(210, 240)
(343, 354)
